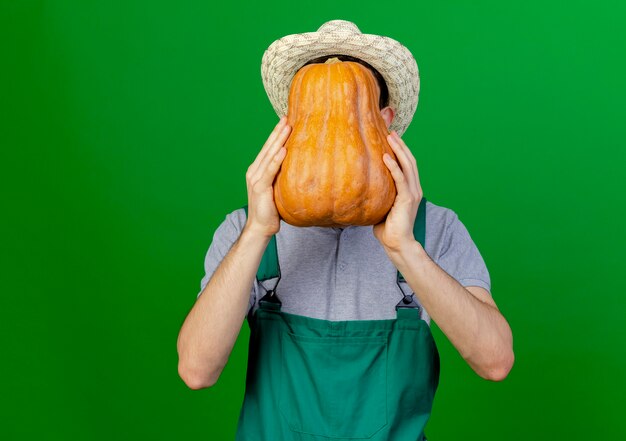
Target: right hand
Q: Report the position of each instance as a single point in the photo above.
(263, 218)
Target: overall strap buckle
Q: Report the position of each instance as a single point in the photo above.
(271, 300)
(408, 301)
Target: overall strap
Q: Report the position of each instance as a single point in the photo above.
(269, 269)
(419, 229)
(419, 232)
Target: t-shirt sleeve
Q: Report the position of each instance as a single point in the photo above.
(460, 257)
(224, 237)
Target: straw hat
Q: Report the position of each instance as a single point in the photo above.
(285, 56)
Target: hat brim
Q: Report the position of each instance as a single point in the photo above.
(285, 56)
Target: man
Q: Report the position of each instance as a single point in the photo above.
(340, 342)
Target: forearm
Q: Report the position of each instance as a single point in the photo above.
(478, 331)
(211, 328)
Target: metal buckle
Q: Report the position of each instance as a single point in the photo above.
(408, 301)
(271, 297)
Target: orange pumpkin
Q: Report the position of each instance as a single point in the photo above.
(333, 174)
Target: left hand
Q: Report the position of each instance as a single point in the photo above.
(396, 230)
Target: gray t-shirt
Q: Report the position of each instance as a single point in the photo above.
(344, 273)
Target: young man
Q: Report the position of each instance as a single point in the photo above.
(340, 343)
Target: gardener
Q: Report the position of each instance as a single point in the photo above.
(340, 343)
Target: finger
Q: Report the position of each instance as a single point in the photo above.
(269, 142)
(412, 158)
(271, 170)
(402, 185)
(407, 165)
(403, 144)
(254, 167)
(272, 149)
(408, 151)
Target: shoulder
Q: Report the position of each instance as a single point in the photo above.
(444, 230)
(453, 248)
(230, 226)
(237, 218)
(440, 221)
(438, 214)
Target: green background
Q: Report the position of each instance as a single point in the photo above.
(126, 129)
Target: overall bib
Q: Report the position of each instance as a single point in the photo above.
(310, 379)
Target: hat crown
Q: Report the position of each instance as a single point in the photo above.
(285, 56)
(339, 26)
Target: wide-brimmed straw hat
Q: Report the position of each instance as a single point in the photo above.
(285, 56)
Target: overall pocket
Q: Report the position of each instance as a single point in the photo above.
(334, 387)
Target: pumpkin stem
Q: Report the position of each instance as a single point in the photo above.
(332, 60)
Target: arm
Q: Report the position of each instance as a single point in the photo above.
(210, 330)
(468, 317)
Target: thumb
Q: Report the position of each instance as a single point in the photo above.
(378, 229)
